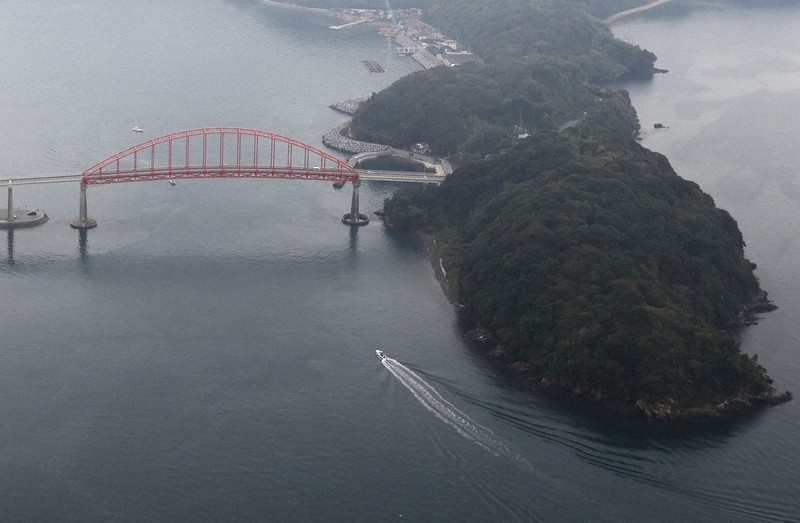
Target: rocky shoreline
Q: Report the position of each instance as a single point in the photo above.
(667, 411)
(664, 411)
(435, 257)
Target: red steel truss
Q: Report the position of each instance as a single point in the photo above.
(219, 152)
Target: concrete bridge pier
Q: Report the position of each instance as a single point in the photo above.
(19, 217)
(10, 205)
(354, 217)
(83, 221)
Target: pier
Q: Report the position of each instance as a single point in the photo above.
(350, 24)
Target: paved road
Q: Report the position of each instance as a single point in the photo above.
(401, 176)
(45, 178)
(372, 175)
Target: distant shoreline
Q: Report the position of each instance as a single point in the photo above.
(294, 7)
(331, 12)
(622, 14)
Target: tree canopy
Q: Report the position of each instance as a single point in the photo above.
(583, 255)
(474, 109)
(544, 59)
(590, 260)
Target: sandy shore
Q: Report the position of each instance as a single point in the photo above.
(613, 18)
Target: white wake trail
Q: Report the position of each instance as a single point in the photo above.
(446, 411)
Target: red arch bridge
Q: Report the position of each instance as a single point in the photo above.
(219, 152)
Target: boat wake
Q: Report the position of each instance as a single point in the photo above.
(430, 398)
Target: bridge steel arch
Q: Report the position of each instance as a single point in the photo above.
(219, 152)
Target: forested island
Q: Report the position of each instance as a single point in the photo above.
(578, 256)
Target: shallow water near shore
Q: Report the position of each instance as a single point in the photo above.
(208, 352)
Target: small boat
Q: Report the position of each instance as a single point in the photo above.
(381, 356)
(171, 182)
(138, 129)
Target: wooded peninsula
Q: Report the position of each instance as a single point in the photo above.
(581, 257)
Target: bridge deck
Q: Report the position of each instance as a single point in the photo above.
(365, 175)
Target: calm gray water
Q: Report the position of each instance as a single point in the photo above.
(207, 353)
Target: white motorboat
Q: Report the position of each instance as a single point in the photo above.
(381, 356)
(138, 129)
(171, 181)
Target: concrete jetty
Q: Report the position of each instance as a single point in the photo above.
(349, 24)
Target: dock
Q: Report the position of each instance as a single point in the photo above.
(349, 24)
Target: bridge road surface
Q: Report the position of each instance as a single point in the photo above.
(365, 175)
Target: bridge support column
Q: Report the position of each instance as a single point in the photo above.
(354, 217)
(83, 221)
(10, 205)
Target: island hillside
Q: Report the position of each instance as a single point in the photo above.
(543, 62)
(593, 267)
(580, 257)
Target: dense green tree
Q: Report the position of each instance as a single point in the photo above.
(588, 258)
(477, 110)
(511, 30)
(583, 255)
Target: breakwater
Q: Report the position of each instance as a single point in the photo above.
(336, 140)
(348, 106)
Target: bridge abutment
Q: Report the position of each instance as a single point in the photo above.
(83, 221)
(354, 217)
